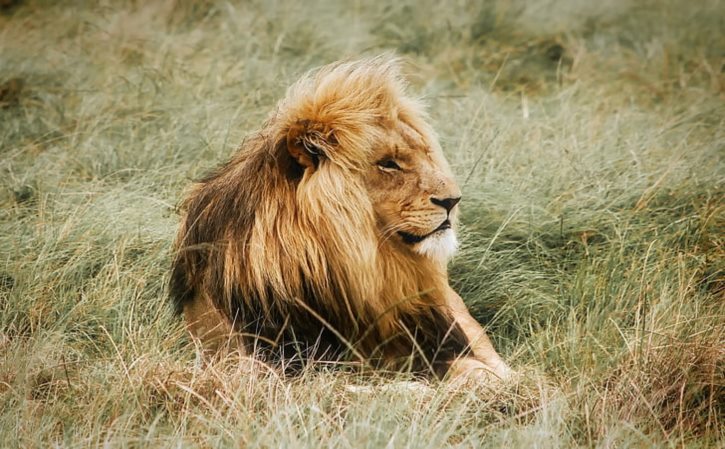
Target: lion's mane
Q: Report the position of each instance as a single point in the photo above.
(293, 261)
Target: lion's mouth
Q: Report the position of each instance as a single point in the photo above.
(412, 239)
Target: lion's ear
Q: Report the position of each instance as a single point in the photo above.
(308, 145)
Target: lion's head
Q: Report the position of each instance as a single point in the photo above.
(354, 121)
(332, 225)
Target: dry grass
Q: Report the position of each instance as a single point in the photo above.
(588, 139)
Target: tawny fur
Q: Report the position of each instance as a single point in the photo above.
(296, 248)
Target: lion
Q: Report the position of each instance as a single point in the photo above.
(326, 236)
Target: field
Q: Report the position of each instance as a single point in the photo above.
(588, 139)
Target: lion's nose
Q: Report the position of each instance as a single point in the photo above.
(447, 203)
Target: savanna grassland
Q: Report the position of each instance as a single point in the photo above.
(588, 138)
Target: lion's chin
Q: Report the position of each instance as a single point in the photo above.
(440, 246)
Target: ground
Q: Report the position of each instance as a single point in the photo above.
(587, 137)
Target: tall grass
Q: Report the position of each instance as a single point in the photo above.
(588, 140)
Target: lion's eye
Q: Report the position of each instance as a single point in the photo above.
(388, 164)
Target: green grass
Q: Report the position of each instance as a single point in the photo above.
(588, 139)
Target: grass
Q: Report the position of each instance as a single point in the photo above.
(588, 140)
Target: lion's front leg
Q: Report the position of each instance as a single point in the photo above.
(483, 350)
(470, 368)
(210, 330)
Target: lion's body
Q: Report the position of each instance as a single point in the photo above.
(284, 251)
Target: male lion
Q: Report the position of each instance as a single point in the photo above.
(327, 235)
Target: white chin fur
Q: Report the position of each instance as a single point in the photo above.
(439, 246)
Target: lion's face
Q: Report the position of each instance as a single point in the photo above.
(351, 120)
(413, 193)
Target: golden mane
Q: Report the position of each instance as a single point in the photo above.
(293, 261)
